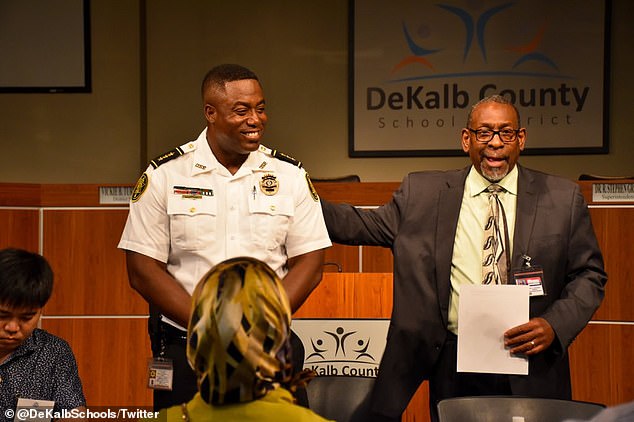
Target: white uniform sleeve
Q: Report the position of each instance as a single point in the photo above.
(307, 231)
(147, 229)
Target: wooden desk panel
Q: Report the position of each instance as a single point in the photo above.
(615, 232)
(112, 357)
(377, 193)
(418, 407)
(20, 194)
(341, 258)
(349, 295)
(19, 229)
(90, 273)
(601, 364)
(53, 195)
(374, 259)
(377, 259)
(366, 259)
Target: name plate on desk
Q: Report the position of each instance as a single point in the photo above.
(109, 195)
(613, 192)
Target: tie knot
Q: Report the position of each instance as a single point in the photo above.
(494, 188)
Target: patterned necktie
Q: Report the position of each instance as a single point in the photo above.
(494, 257)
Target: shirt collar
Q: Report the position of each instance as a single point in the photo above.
(476, 184)
(259, 161)
(30, 344)
(204, 160)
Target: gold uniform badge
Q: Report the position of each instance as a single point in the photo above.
(311, 188)
(140, 187)
(269, 184)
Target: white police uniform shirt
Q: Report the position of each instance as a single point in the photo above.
(193, 213)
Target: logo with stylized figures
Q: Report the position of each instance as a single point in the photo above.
(343, 343)
(351, 347)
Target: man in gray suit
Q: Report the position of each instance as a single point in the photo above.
(433, 224)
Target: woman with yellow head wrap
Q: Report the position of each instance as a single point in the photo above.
(238, 345)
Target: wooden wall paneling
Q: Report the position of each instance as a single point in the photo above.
(601, 364)
(19, 228)
(112, 358)
(344, 257)
(91, 277)
(615, 230)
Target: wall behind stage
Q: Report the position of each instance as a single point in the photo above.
(148, 58)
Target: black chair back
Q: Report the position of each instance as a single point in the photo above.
(343, 399)
(504, 408)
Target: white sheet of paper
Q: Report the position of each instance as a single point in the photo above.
(485, 312)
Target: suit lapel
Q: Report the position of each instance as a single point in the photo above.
(449, 202)
(527, 198)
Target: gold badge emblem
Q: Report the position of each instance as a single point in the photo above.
(269, 184)
(140, 187)
(311, 188)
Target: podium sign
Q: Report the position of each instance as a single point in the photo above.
(342, 347)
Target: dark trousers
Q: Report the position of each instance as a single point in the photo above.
(172, 342)
(445, 382)
(184, 384)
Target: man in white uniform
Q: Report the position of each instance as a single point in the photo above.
(221, 196)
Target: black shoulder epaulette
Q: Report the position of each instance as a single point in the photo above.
(176, 152)
(280, 156)
(284, 157)
(164, 158)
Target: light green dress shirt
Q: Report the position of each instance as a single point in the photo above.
(466, 261)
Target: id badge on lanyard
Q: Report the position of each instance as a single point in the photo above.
(160, 370)
(531, 276)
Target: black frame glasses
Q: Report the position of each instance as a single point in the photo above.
(506, 135)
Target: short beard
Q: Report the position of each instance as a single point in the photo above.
(493, 176)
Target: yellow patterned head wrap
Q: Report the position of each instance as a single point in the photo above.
(238, 334)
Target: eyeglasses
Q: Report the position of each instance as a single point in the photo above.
(484, 136)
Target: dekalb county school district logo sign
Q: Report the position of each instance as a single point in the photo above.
(415, 78)
(342, 347)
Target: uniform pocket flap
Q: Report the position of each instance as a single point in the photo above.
(177, 205)
(272, 205)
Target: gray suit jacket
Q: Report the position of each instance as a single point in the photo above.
(419, 224)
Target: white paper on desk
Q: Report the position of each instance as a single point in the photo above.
(485, 312)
